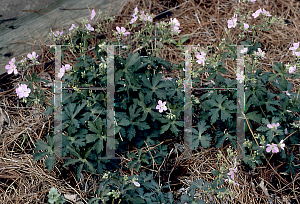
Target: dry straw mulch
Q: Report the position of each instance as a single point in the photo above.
(22, 181)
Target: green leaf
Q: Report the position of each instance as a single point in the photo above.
(74, 152)
(254, 116)
(132, 59)
(90, 166)
(173, 41)
(220, 105)
(124, 122)
(184, 38)
(221, 137)
(50, 162)
(48, 149)
(270, 102)
(71, 161)
(164, 128)
(99, 135)
(199, 137)
(53, 196)
(78, 171)
(39, 155)
(42, 145)
(155, 86)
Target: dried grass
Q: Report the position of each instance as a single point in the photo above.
(22, 181)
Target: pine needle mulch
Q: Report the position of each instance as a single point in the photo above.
(22, 181)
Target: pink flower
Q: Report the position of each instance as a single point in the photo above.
(23, 61)
(136, 11)
(292, 69)
(58, 34)
(287, 93)
(32, 56)
(11, 67)
(246, 26)
(161, 106)
(23, 91)
(89, 27)
(93, 14)
(133, 19)
(260, 53)
(61, 72)
(174, 26)
(142, 16)
(175, 30)
(297, 54)
(273, 125)
(201, 58)
(232, 23)
(266, 13)
(231, 172)
(296, 45)
(73, 26)
(272, 148)
(145, 17)
(256, 13)
(174, 22)
(67, 67)
(122, 31)
(63, 69)
(148, 18)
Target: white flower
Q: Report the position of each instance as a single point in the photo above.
(174, 26)
(174, 22)
(201, 58)
(292, 69)
(161, 106)
(67, 67)
(281, 145)
(260, 53)
(137, 184)
(232, 23)
(62, 72)
(244, 50)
